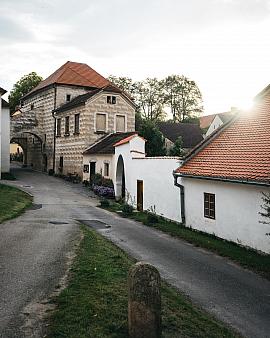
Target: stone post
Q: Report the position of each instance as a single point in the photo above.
(144, 301)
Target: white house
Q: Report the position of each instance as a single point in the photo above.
(4, 134)
(223, 179)
(146, 182)
(210, 123)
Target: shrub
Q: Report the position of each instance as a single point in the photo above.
(104, 203)
(103, 191)
(152, 218)
(50, 172)
(107, 182)
(8, 176)
(96, 180)
(127, 209)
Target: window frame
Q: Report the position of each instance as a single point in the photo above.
(67, 125)
(209, 205)
(115, 119)
(77, 124)
(68, 97)
(106, 122)
(58, 126)
(106, 167)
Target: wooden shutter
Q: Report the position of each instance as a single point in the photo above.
(101, 122)
(120, 123)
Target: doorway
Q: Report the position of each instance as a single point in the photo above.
(139, 195)
(92, 171)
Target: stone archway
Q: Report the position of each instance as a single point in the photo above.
(120, 189)
(22, 142)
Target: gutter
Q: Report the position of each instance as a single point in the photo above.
(54, 129)
(222, 179)
(182, 196)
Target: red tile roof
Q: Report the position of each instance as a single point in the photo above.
(205, 121)
(239, 150)
(73, 73)
(127, 139)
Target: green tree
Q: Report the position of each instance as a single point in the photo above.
(124, 83)
(22, 87)
(183, 97)
(155, 145)
(177, 148)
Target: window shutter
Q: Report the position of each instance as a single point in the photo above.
(120, 123)
(101, 122)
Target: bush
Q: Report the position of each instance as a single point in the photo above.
(107, 182)
(103, 191)
(104, 203)
(96, 180)
(152, 218)
(8, 176)
(127, 209)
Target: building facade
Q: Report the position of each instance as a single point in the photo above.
(62, 116)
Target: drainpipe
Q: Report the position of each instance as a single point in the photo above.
(182, 197)
(54, 129)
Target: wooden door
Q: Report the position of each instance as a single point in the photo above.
(139, 195)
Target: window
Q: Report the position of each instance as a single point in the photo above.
(67, 125)
(120, 123)
(111, 99)
(100, 122)
(45, 137)
(209, 206)
(86, 168)
(61, 163)
(58, 127)
(77, 124)
(32, 106)
(68, 97)
(106, 169)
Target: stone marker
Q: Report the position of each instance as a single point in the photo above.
(144, 301)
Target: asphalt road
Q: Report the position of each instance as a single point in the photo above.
(33, 253)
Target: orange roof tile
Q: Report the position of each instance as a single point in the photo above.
(73, 73)
(238, 151)
(127, 139)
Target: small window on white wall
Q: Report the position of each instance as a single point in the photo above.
(120, 123)
(101, 122)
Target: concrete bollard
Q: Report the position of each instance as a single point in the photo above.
(144, 301)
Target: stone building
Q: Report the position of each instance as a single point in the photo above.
(66, 113)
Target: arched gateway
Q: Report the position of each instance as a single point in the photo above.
(120, 189)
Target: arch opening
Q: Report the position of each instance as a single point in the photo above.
(120, 189)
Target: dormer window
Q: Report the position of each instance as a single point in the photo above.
(111, 99)
(68, 98)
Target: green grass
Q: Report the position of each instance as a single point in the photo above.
(247, 258)
(95, 302)
(12, 202)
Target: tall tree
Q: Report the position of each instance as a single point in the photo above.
(183, 97)
(124, 83)
(155, 145)
(177, 148)
(149, 99)
(22, 87)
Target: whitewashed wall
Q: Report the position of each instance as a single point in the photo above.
(5, 158)
(216, 123)
(156, 174)
(237, 211)
(100, 160)
(0, 134)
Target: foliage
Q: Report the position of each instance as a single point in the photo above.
(266, 207)
(8, 176)
(177, 148)
(182, 96)
(98, 179)
(104, 203)
(155, 145)
(152, 218)
(103, 191)
(127, 209)
(21, 88)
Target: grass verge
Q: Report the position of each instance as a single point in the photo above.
(95, 302)
(12, 202)
(247, 258)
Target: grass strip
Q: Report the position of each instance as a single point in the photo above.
(248, 258)
(95, 302)
(13, 202)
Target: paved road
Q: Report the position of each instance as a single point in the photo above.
(32, 251)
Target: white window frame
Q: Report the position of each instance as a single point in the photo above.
(119, 114)
(95, 122)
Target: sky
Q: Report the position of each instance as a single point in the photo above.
(223, 45)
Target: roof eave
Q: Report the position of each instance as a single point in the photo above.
(223, 179)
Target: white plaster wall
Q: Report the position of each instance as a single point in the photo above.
(237, 211)
(5, 159)
(156, 174)
(216, 123)
(100, 160)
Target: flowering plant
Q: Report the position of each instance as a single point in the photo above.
(103, 191)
